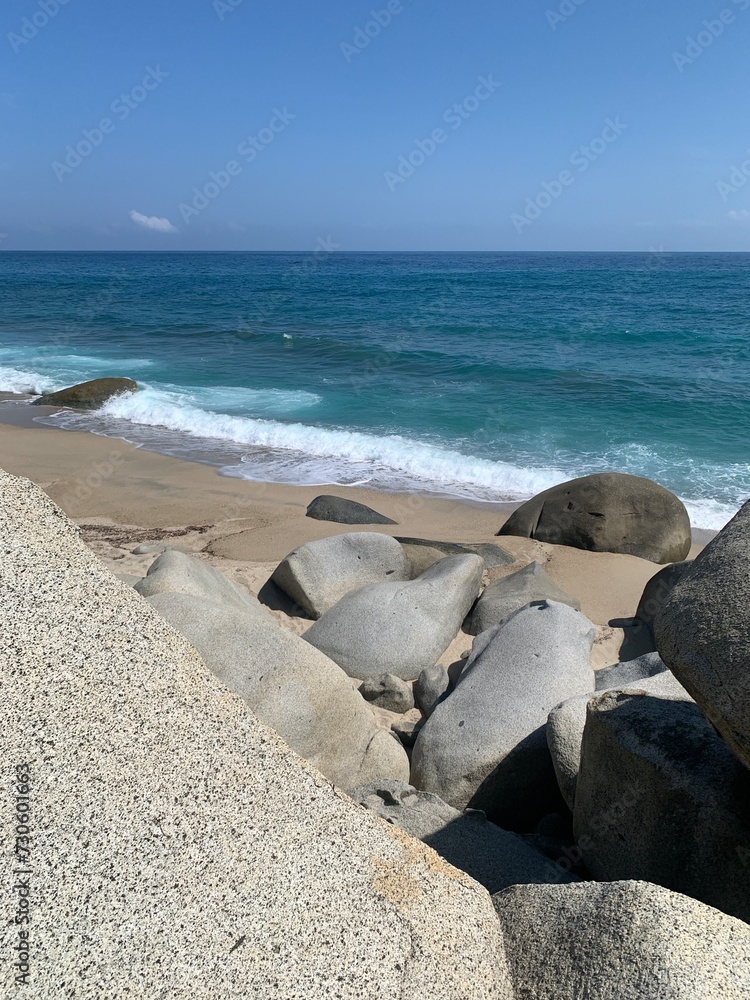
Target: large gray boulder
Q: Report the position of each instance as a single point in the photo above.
(702, 632)
(290, 686)
(399, 628)
(178, 573)
(485, 745)
(661, 797)
(332, 508)
(424, 552)
(658, 589)
(502, 598)
(493, 857)
(180, 848)
(607, 512)
(88, 395)
(621, 941)
(567, 721)
(317, 575)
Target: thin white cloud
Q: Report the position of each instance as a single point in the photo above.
(152, 222)
(739, 215)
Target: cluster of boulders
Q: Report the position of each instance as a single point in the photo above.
(523, 766)
(608, 818)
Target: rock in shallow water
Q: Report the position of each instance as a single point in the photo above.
(399, 628)
(331, 508)
(88, 395)
(494, 857)
(317, 575)
(607, 512)
(485, 745)
(661, 797)
(621, 941)
(703, 632)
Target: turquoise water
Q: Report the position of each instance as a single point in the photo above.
(486, 376)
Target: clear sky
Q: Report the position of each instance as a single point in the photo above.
(440, 125)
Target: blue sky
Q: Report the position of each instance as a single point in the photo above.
(472, 125)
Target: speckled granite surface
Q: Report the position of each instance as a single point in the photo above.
(177, 847)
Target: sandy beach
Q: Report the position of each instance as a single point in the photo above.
(125, 498)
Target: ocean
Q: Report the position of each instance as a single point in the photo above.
(486, 376)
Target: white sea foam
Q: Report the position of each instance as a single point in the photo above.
(304, 453)
(18, 380)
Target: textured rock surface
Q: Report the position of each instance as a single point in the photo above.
(607, 512)
(661, 797)
(424, 552)
(291, 686)
(502, 598)
(430, 687)
(491, 856)
(702, 632)
(176, 572)
(658, 589)
(180, 848)
(485, 745)
(567, 721)
(331, 508)
(317, 575)
(400, 628)
(627, 673)
(88, 395)
(388, 692)
(621, 941)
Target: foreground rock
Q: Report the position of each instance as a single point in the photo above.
(399, 628)
(425, 552)
(621, 941)
(607, 512)
(317, 575)
(176, 572)
(702, 632)
(491, 856)
(290, 686)
(485, 745)
(502, 598)
(88, 395)
(567, 721)
(201, 856)
(331, 508)
(661, 797)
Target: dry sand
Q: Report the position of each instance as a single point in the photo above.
(124, 497)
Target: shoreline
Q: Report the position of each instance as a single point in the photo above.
(131, 503)
(23, 418)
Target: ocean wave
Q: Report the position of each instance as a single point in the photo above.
(18, 380)
(298, 452)
(211, 424)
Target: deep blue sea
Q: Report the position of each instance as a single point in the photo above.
(488, 376)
